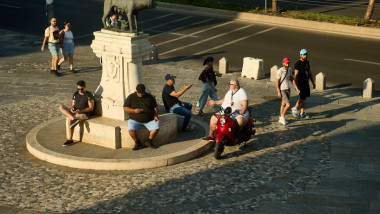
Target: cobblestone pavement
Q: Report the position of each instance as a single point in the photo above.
(328, 163)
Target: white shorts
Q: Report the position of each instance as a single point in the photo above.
(245, 116)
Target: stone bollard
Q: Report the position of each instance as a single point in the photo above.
(253, 68)
(154, 53)
(273, 73)
(320, 81)
(223, 65)
(369, 88)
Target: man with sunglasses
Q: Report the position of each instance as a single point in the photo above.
(302, 74)
(237, 99)
(82, 105)
(142, 109)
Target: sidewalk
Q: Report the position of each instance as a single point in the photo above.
(329, 163)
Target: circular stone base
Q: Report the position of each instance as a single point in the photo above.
(45, 142)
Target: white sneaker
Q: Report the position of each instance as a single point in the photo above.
(282, 121)
(295, 112)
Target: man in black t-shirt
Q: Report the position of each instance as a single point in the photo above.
(142, 109)
(82, 105)
(302, 74)
(174, 105)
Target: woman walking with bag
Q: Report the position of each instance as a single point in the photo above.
(68, 46)
(209, 82)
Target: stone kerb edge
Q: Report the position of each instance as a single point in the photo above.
(356, 31)
(111, 164)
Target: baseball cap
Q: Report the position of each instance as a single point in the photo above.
(303, 51)
(140, 88)
(169, 77)
(285, 60)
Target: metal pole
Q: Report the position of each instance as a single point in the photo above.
(49, 9)
(265, 6)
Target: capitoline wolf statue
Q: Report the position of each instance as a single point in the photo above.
(128, 7)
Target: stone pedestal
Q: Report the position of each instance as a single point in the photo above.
(122, 55)
(223, 65)
(273, 73)
(253, 68)
(320, 81)
(369, 88)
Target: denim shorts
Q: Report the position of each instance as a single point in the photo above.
(151, 125)
(68, 49)
(54, 48)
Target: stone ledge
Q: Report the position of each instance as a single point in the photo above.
(176, 154)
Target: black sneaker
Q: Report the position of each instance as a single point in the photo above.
(137, 145)
(51, 71)
(188, 128)
(68, 143)
(56, 73)
(149, 144)
(74, 123)
(58, 67)
(73, 71)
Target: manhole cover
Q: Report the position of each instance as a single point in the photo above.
(271, 98)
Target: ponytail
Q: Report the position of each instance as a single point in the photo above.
(208, 59)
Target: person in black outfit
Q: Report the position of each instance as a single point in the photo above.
(142, 109)
(82, 105)
(174, 105)
(302, 74)
(208, 78)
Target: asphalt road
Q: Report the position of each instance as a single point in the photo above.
(347, 61)
(351, 8)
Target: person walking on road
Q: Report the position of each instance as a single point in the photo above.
(302, 74)
(174, 105)
(67, 38)
(54, 43)
(209, 82)
(284, 74)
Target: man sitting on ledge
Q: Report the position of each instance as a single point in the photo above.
(142, 109)
(174, 105)
(81, 106)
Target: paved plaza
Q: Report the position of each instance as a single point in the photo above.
(328, 163)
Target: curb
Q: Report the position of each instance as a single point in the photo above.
(356, 31)
(48, 155)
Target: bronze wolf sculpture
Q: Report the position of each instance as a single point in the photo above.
(128, 7)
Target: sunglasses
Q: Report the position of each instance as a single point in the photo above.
(231, 84)
(80, 89)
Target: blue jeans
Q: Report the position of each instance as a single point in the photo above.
(207, 91)
(183, 111)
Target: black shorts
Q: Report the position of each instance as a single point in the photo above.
(304, 91)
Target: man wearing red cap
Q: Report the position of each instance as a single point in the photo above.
(284, 74)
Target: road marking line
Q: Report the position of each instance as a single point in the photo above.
(180, 28)
(205, 40)
(169, 32)
(228, 43)
(5, 5)
(201, 31)
(367, 62)
(156, 18)
(169, 22)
